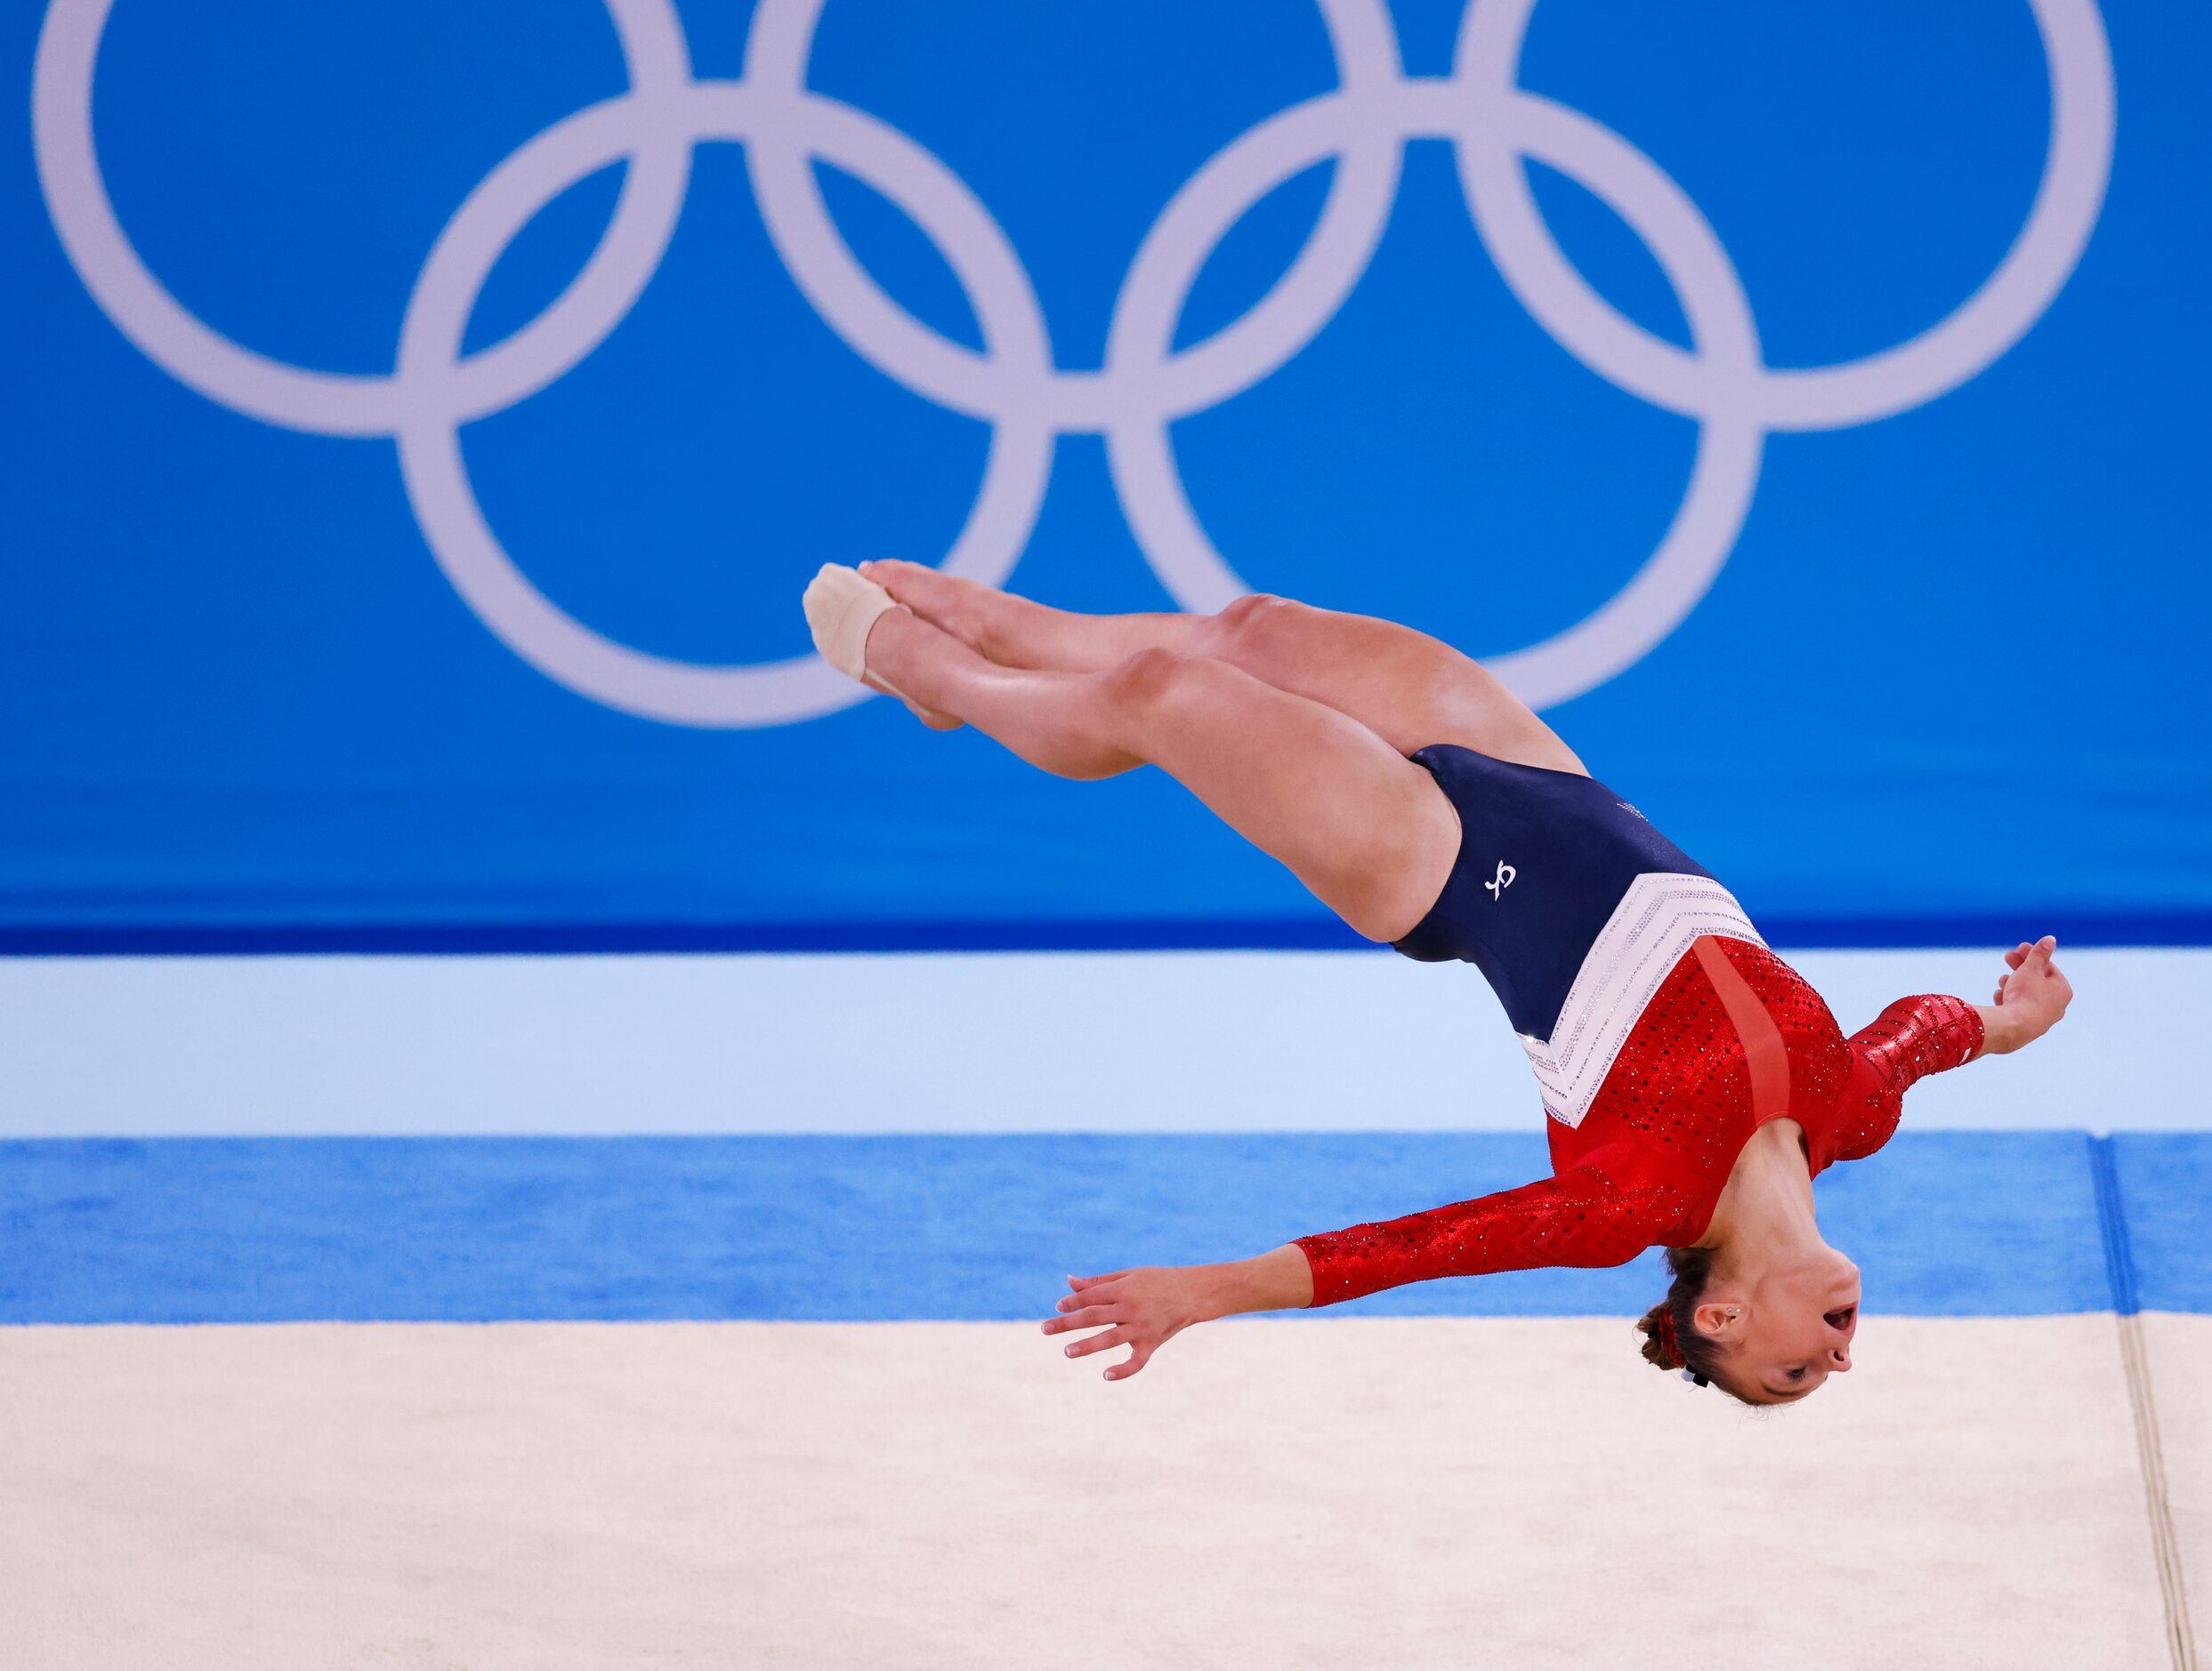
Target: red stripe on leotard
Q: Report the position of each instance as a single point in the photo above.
(1765, 1060)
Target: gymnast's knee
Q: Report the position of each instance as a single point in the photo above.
(1250, 624)
(1144, 684)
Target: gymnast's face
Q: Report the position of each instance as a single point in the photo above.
(1788, 1331)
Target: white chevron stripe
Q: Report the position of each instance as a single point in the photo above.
(1654, 923)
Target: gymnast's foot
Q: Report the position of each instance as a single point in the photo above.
(842, 609)
(978, 616)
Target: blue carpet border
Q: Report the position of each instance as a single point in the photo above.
(910, 1228)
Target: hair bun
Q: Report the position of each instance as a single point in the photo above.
(1671, 1339)
(1660, 1346)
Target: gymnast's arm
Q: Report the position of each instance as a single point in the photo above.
(1916, 1036)
(1582, 1217)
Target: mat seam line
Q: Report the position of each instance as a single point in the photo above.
(2119, 1269)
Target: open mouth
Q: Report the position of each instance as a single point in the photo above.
(1842, 1318)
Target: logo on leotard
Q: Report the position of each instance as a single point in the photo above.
(1498, 884)
(1631, 812)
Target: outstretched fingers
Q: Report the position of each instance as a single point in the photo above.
(1106, 1303)
(1140, 1354)
(1087, 1317)
(1118, 1335)
(1117, 1328)
(2027, 961)
(2033, 997)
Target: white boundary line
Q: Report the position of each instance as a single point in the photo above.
(1008, 1042)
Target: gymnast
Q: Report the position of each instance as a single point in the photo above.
(1695, 1085)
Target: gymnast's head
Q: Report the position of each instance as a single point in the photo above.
(1767, 1337)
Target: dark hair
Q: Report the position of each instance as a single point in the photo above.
(1676, 1315)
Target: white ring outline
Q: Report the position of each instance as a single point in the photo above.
(2069, 198)
(1015, 471)
(337, 403)
(1145, 384)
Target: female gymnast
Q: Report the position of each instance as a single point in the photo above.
(1695, 1084)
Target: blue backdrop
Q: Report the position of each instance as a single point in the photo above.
(426, 416)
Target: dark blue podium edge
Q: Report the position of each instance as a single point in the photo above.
(1307, 932)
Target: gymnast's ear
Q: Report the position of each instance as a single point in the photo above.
(1718, 1320)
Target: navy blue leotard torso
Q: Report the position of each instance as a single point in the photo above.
(1545, 857)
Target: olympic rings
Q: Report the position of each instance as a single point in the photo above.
(1145, 383)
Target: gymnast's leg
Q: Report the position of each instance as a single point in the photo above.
(1410, 689)
(1365, 829)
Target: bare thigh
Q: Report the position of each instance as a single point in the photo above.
(1367, 832)
(1410, 689)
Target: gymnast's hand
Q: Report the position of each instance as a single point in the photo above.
(2028, 1001)
(1143, 1308)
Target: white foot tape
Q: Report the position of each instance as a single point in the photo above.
(842, 604)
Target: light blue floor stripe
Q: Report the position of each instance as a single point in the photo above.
(1944, 1223)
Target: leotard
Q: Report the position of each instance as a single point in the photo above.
(1662, 1031)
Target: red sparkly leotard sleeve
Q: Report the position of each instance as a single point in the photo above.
(1908, 1041)
(1619, 1199)
(1598, 1212)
